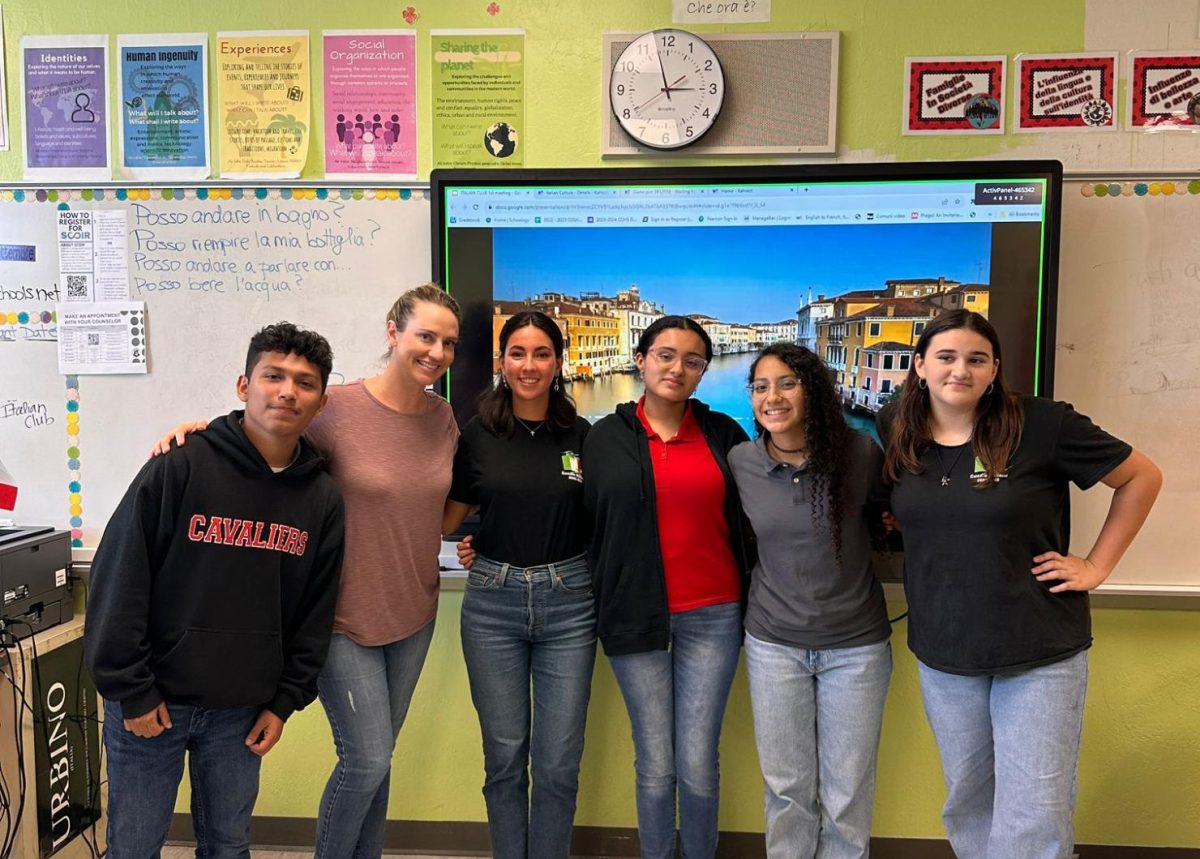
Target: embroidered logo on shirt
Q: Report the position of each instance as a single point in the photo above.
(980, 473)
(571, 468)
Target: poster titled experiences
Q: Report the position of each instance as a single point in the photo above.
(164, 103)
(478, 98)
(370, 104)
(64, 85)
(263, 103)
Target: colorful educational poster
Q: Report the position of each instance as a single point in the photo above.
(164, 106)
(1067, 92)
(478, 84)
(102, 338)
(263, 96)
(954, 95)
(1164, 91)
(370, 112)
(64, 96)
(3, 90)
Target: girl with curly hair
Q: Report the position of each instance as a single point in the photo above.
(817, 648)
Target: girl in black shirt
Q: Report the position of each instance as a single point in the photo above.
(527, 615)
(998, 606)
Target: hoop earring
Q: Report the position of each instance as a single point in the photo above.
(921, 383)
(556, 385)
(990, 388)
(500, 383)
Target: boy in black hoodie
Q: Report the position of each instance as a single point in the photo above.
(211, 605)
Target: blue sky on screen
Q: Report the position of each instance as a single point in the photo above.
(738, 274)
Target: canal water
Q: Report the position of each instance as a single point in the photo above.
(723, 388)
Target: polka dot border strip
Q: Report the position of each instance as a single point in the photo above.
(88, 195)
(1140, 189)
(75, 487)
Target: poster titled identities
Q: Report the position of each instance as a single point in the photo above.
(1164, 91)
(954, 95)
(263, 97)
(64, 95)
(370, 104)
(164, 106)
(1067, 92)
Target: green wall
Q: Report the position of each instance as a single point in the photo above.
(1139, 775)
(1140, 771)
(563, 56)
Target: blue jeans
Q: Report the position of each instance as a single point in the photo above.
(1010, 754)
(144, 775)
(365, 692)
(817, 718)
(676, 701)
(523, 625)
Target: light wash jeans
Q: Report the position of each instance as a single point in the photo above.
(817, 717)
(530, 632)
(676, 700)
(1010, 754)
(144, 774)
(366, 692)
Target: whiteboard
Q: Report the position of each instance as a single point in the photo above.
(1128, 356)
(1128, 346)
(335, 265)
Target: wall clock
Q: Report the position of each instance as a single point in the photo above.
(667, 88)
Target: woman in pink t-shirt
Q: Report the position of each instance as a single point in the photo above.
(389, 445)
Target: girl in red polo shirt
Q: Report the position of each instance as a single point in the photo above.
(668, 562)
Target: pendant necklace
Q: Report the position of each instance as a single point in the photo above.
(937, 448)
(531, 429)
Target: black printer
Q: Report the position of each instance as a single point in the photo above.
(34, 581)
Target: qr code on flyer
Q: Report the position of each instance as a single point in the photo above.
(77, 286)
(93, 339)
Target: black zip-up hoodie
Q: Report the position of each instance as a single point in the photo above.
(625, 558)
(215, 582)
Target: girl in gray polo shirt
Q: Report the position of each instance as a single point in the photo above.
(817, 648)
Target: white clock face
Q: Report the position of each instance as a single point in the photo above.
(666, 88)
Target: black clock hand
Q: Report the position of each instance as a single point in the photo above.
(666, 86)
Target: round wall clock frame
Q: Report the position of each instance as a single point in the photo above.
(667, 88)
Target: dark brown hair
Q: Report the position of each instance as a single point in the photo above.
(289, 339)
(495, 403)
(665, 323)
(825, 433)
(998, 415)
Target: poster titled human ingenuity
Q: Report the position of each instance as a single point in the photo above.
(164, 99)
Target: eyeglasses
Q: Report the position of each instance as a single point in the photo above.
(691, 363)
(783, 386)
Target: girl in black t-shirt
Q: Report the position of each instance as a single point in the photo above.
(528, 619)
(998, 607)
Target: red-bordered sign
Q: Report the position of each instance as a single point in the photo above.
(1164, 90)
(1057, 92)
(954, 95)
